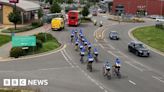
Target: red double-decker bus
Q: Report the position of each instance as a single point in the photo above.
(74, 18)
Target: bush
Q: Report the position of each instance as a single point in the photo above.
(36, 24)
(41, 37)
(39, 44)
(16, 52)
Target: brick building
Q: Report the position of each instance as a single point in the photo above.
(151, 7)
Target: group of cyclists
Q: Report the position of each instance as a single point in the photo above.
(82, 45)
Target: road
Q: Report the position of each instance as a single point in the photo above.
(65, 73)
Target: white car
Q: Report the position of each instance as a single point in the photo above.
(160, 19)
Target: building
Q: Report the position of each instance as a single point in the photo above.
(150, 7)
(27, 9)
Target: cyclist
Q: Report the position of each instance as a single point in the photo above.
(81, 46)
(72, 36)
(82, 52)
(76, 44)
(95, 54)
(76, 35)
(89, 48)
(117, 66)
(90, 61)
(106, 68)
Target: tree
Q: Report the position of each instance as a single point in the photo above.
(85, 11)
(70, 1)
(40, 13)
(14, 17)
(55, 8)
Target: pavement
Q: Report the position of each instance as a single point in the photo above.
(65, 73)
(5, 49)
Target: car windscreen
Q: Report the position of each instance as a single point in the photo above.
(139, 46)
(72, 18)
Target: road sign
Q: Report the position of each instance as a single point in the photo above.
(18, 41)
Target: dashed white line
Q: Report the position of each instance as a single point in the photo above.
(67, 59)
(132, 82)
(105, 91)
(134, 66)
(101, 46)
(112, 53)
(158, 78)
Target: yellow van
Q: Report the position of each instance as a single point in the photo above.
(57, 24)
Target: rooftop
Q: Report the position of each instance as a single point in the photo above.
(23, 4)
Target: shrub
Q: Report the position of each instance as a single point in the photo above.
(41, 37)
(36, 24)
(39, 44)
(16, 52)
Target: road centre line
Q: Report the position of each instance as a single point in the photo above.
(101, 46)
(158, 78)
(132, 82)
(100, 85)
(67, 54)
(67, 59)
(112, 53)
(127, 62)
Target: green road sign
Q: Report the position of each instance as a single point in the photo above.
(18, 41)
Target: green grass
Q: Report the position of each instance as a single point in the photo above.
(151, 36)
(48, 46)
(4, 39)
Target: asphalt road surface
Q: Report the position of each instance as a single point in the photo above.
(65, 73)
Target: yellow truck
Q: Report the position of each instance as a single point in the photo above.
(57, 24)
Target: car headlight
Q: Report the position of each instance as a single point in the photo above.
(148, 51)
(140, 51)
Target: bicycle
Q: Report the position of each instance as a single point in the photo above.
(89, 66)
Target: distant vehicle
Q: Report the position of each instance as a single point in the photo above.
(94, 13)
(48, 17)
(138, 48)
(74, 18)
(57, 24)
(160, 19)
(113, 35)
(101, 10)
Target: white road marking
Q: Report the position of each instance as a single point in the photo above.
(67, 59)
(112, 53)
(128, 62)
(158, 78)
(101, 46)
(100, 85)
(132, 82)
(105, 91)
(67, 54)
(111, 46)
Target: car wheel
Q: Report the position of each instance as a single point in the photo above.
(148, 54)
(137, 54)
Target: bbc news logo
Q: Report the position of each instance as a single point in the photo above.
(24, 82)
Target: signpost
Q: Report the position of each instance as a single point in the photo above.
(19, 41)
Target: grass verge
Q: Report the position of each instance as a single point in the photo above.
(4, 39)
(151, 36)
